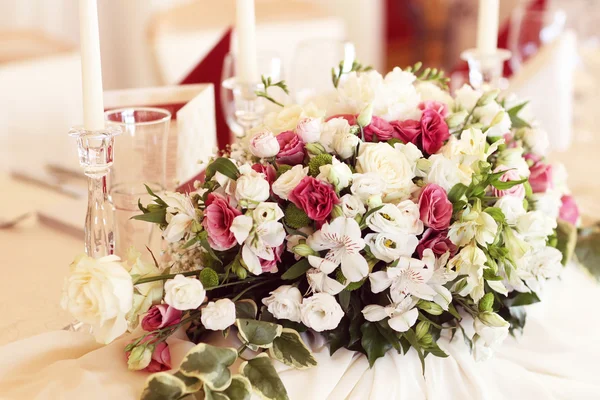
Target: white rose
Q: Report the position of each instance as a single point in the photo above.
(549, 203)
(466, 97)
(431, 91)
(445, 172)
(284, 185)
(338, 174)
(264, 144)
(351, 206)
(267, 211)
(402, 218)
(345, 144)
(397, 98)
(218, 315)
(537, 140)
(356, 91)
(251, 189)
(288, 117)
(391, 165)
(367, 185)
(412, 154)
(535, 227)
(309, 129)
(321, 312)
(512, 208)
(391, 246)
(331, 129)
(183, 293)
(494, 117)
(99, 292)
(284, 303)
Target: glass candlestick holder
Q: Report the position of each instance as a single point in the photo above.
(486, 69)
(95, 150)
(249, 108)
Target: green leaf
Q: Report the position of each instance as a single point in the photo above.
(434, 349)
(246, 309)
(240, 388)
(258, 333)
(373, 342)
(223, 165)
(566, 234)
(264, 378)
(490, 275)
(487, 302)
(414, 342)
(338, 337)
(191, 242)
(163, 386)
(389, 334)
(290, 349)
(524, 299)
(213, 394)
(588, 252)
(363, 221)
(457, 192)
(344, 297)
(452, 310)
(500, 185)
(513, 111)
(209, 364)
(296, 270)
(155, 217)
(208, 247)
(192, 385)
(495, 213)
(518, 123)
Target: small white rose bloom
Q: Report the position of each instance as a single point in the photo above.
(184, 293)
(344, 144)
(470, 261)
(284, 185)
(549, 203)
(391, 165)
(267, 211)
(512, 208)
(535, 227)
(401, 218)
(413, 155)
(180, 216)
(537, 140)
(264, 144)
(99, 292)
(331, 129)
(343, 238)
(321, 312)
(284, 303)
(309, 129)
(391, 246)
(218, 315)
(318, 276)
(402, 316)
(512, 158)
(251, 188)
(337, 173)
(367, 185)
(352, 206)
(493, 116)
(446, 172)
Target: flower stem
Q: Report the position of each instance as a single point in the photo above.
(236, 298)
(165, 277)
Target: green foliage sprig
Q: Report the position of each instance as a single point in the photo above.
(437, 76)
(267, 83)
(356, 67)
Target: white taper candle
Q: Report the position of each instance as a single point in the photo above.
(487, 26)
(91, 68)
(246, 66)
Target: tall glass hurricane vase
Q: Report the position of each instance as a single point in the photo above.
(140, 161)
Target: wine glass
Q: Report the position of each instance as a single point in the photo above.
(312, 63)
(269, 65)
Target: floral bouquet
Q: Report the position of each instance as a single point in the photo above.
(382, 215)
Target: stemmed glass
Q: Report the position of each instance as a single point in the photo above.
(242, 108)
(312, 63)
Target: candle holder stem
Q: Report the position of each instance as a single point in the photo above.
(96, 157)
(486, 69)
(249, 108)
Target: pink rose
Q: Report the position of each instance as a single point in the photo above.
(434, 207)
(409, 131)
(540, 177)
(510, 175)
(436, 106)
(314, 197)
(218, 217)
(437, 241)
(379, 127)
(161, 356)
(161, 316)
(271, 265)
(434, 131)
(569, 211)
(268, 170)
(291, 148)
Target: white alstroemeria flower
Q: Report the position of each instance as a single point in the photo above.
(442, 274)
(493, 116)
(410, 277)
(489, 335)
(343, 238)
(318, 276)
(466, 97)
(218, 315)
(516, 245)
(284, 185)
(181, 214)
(402, 315)
(535, 227)
(367, 186)
(512, 208)
(389, 247)
(402, 218)
(284, 303)
(470, 261)
(352, 206)
(337, 173)
(473, 224)
(258, 239)
(512, 158)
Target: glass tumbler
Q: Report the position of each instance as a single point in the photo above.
(140, 159)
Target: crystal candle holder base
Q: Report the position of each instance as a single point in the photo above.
(486, 69)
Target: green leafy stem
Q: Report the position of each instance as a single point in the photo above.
(267, 83)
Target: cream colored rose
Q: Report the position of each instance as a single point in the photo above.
(184, 293)
(99, 292)
(321, 312)
(284, 303)
(391, 165)
(283, 186)
(288, 117)
(251, 188)
(218, 315)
